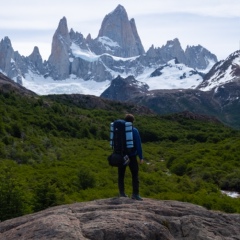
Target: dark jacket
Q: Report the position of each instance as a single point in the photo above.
(137, 144)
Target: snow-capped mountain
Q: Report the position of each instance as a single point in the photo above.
(87, 66)
(218, 93)
(223, 72)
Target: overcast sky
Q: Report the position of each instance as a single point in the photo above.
(214, 24)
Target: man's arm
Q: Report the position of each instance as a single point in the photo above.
(138, 144)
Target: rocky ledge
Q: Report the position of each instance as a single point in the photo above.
(123, 218)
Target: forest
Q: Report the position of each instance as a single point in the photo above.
(54, 152)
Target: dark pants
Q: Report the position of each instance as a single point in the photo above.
(133, 165)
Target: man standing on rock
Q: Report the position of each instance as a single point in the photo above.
(133, 164)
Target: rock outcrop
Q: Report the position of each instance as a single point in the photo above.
(124, 218)
(122, 89)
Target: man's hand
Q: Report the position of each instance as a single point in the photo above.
(141, 161)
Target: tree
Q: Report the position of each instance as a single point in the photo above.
(12, 197)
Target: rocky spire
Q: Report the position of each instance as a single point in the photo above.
(36, 61)
(59, 58)
(136, 36)
(172, 50)
(6, 54)
(119, 29)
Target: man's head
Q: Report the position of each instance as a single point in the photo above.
(129, 118)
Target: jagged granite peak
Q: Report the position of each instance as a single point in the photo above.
(78, 39)
(172, 50)
(122, 89)
(89, 37)
(122, 33)
(14, 65)
(59, 58)
(35, 54)
(152, 52)
(6, 56)
(62, 29)
(136, 36)
(222, 72)
(199, 57)
(36, 61)
(196, 57)
(11, 62)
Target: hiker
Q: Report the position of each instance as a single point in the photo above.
(133, 164)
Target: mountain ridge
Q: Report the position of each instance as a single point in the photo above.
(112, 51)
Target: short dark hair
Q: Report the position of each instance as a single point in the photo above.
(129, 118)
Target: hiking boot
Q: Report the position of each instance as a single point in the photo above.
(123, 195)
(136, 197)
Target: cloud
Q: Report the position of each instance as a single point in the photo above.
(216, 8)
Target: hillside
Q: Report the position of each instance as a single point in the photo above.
(8, 85)
(54, 149)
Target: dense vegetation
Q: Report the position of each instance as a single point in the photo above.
(54, 153)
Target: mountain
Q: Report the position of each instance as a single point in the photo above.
(115, 65)
(117, 50)
(119, 218)
(222, 72)
(222, 102)
(199, 57)
(218, 95)
(196, 57)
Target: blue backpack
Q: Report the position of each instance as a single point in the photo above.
(121, 141)
(121, 136)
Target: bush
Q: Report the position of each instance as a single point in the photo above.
(85, 179)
